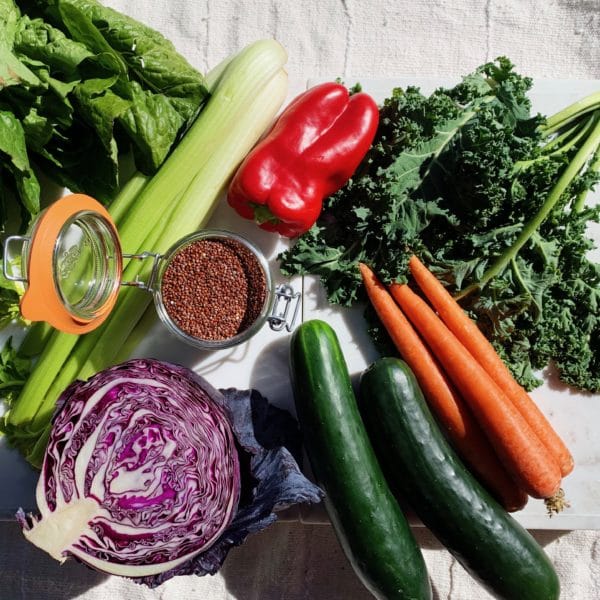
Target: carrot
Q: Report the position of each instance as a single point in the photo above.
(452, 413)
(482, 350)
(517, 446)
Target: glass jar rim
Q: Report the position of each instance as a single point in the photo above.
(44, 298)
(103, 241)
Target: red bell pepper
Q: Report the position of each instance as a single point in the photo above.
(312, 150)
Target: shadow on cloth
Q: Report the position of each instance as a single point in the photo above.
(295, 561)
(31, 574)
(291, 561)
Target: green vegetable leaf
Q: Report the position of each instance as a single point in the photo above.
(82, 30)
(89, 84)
(152, 124)
(38, 130)
(100, 108)
(14, 369)
(9, 305)
(151, 59)
(38, 40)
(12, 71)
(13, 152)
(164, 91)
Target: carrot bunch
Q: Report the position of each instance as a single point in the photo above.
(491, 420)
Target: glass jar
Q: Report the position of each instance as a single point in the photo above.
(279, 307)
(71, 264)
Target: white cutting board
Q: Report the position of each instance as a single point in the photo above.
(262, 363)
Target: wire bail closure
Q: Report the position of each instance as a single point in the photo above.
(138, 283)
(286, 301)
(24, 239)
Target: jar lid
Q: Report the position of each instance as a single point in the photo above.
(74, 265)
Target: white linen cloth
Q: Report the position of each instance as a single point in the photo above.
(328, 38)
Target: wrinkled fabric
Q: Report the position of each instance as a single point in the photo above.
(352, 39)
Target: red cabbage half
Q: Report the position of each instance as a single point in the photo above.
(150, 472)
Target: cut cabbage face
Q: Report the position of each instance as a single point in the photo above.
(141, 472)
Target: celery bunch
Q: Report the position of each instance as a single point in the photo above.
(247, 90)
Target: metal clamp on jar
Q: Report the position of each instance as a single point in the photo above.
(213, 288)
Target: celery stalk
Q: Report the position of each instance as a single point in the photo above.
(35, 453)
(18, 419)
(35, 339)
(137, 335)
(127, 196)
(248, 91)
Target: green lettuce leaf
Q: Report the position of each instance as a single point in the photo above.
(165, 92)
(88, 85)
(13, 153)
(12, 71)
(151, 123)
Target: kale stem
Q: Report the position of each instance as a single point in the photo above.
(575, 134)
(521, 281)
(579, 203)
(590, 147)
(561, 137)
(571, 112)
(561, 144)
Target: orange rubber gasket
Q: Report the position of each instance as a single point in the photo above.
(41, 300)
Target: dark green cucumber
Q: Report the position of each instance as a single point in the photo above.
(368, 522)
(424, 470)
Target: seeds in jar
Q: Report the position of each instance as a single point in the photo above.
(214, 288)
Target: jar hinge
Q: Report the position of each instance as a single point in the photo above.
(286, 301)
(6, 262)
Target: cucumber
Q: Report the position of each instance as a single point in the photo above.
(423, 469)
(367, 520)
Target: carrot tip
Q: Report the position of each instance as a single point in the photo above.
(556, 503)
